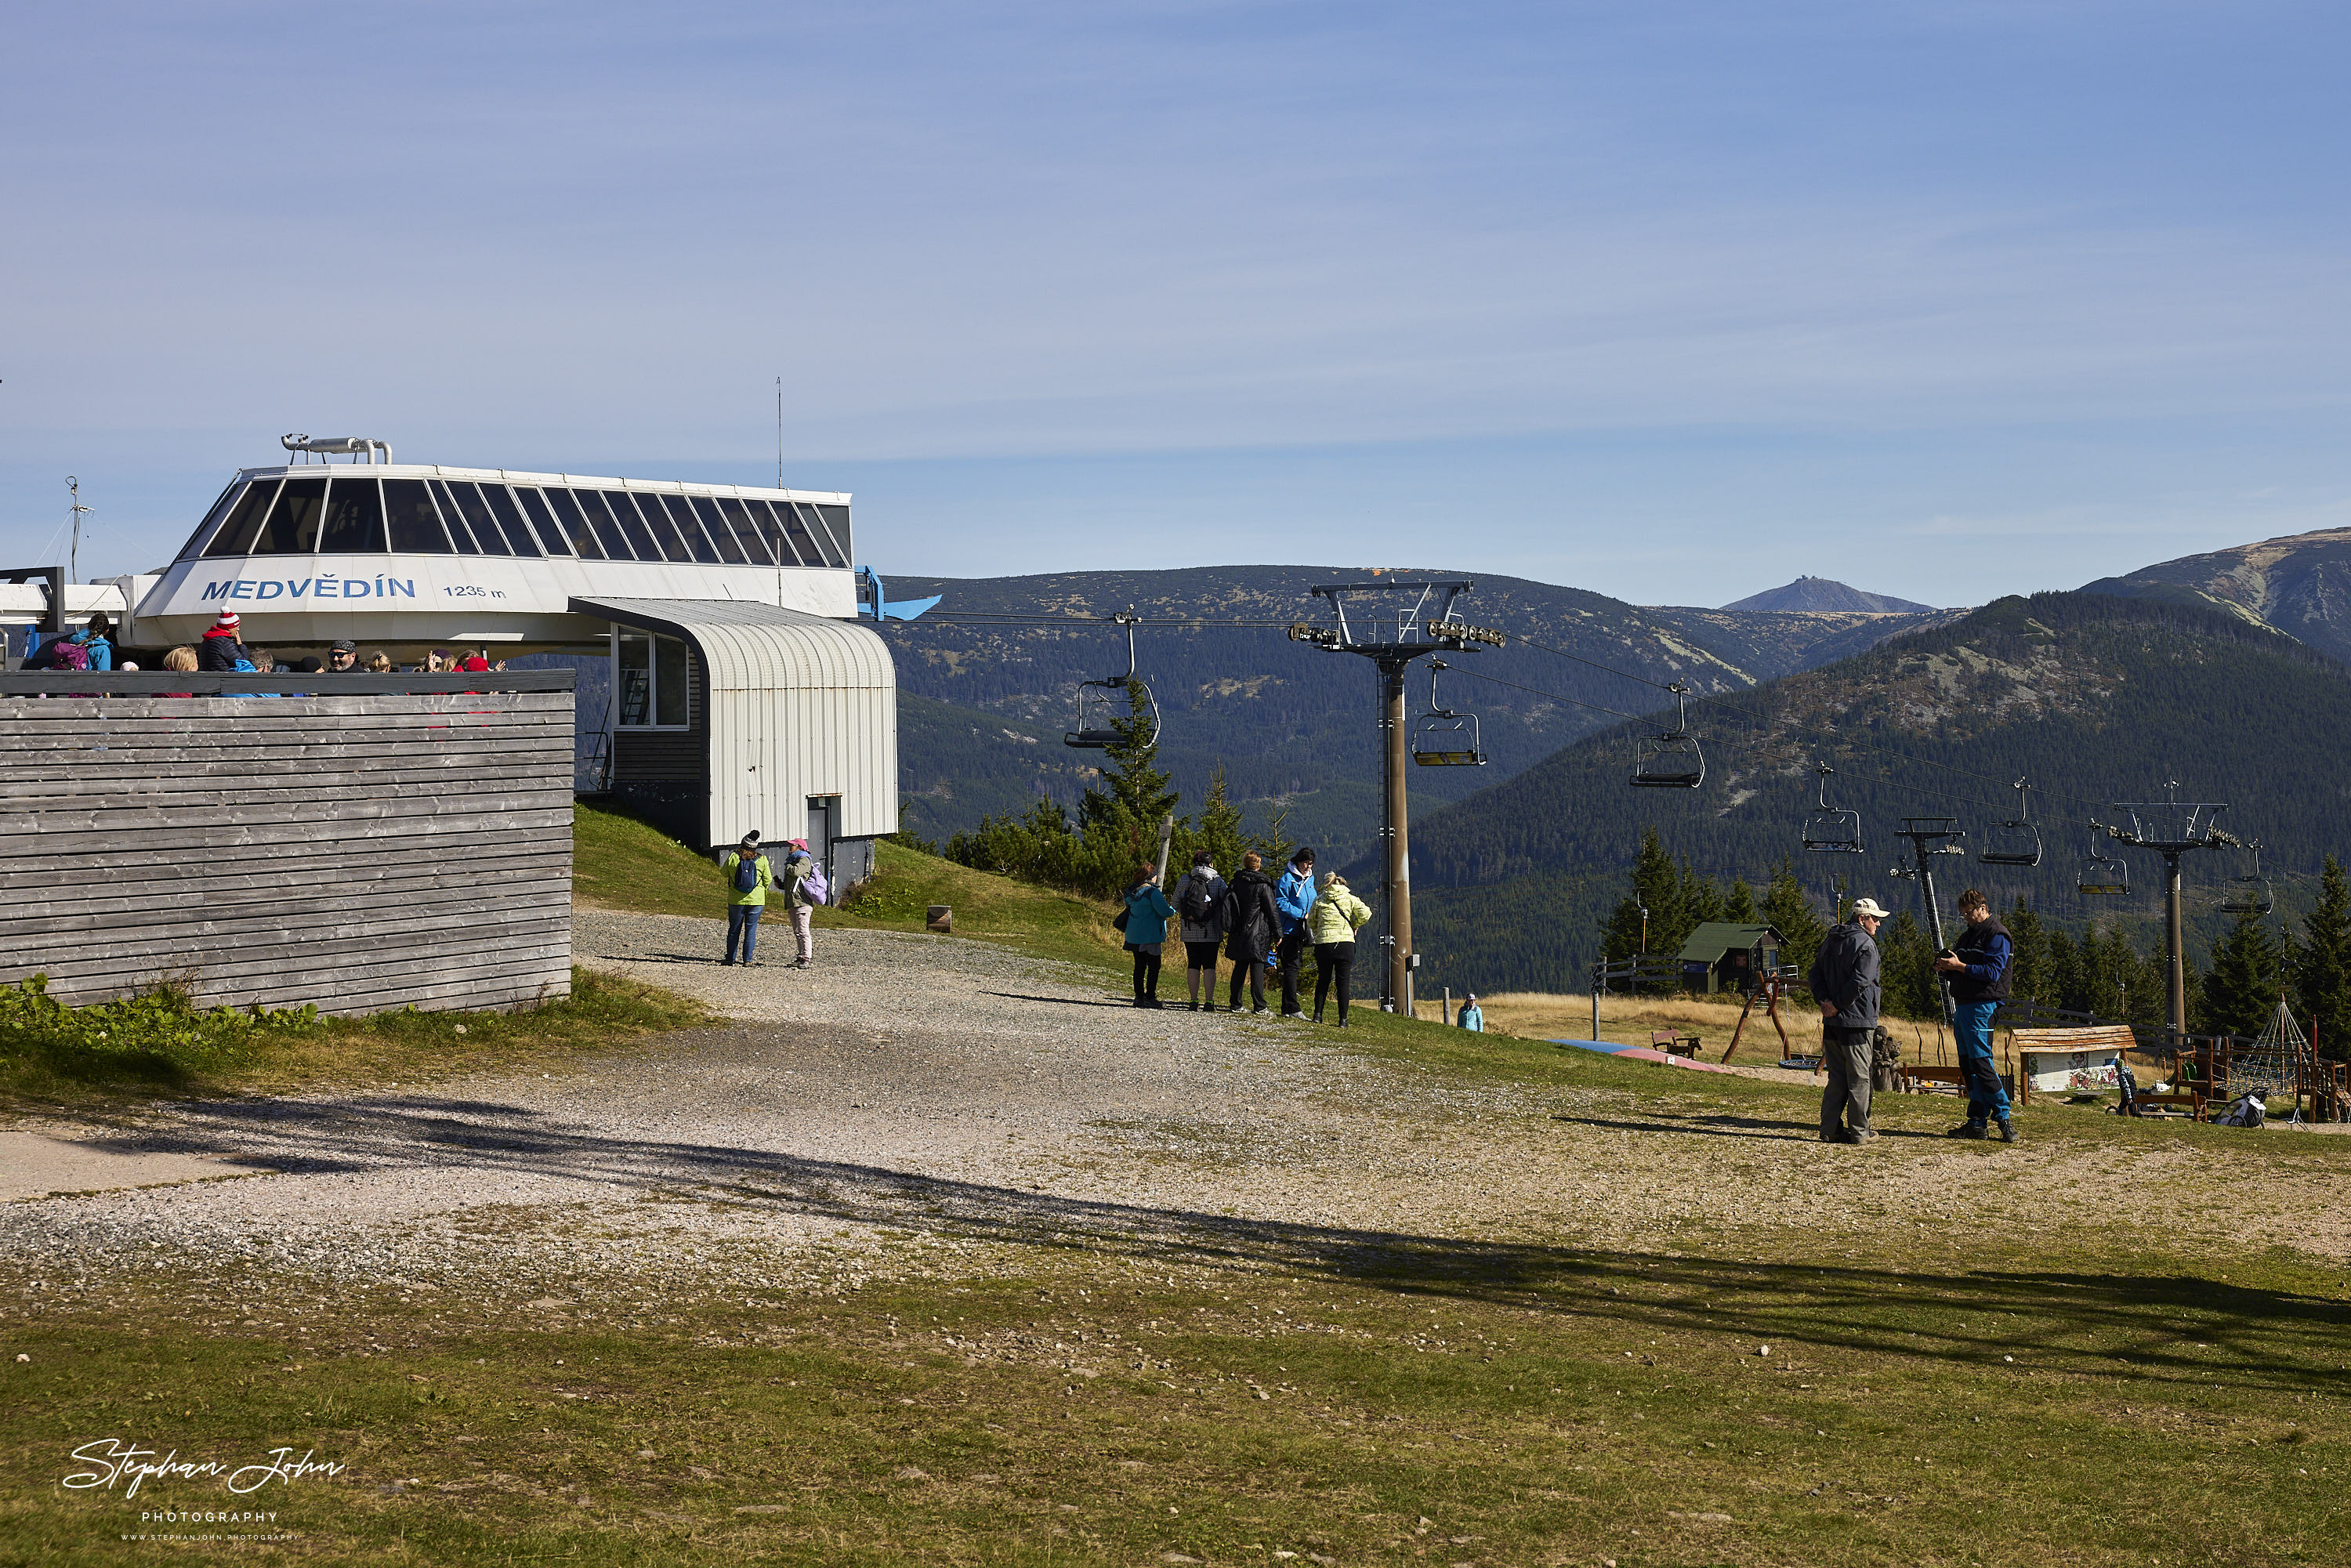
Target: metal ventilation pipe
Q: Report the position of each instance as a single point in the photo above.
(350, 445)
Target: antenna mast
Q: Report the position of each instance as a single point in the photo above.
(1393, 645)
(779, 433)
(73, 552)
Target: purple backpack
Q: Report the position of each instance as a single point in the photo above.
(65, 654)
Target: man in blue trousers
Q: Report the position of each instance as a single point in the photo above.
(1978, 966)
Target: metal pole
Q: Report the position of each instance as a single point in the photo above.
(1935, 929)
(2177, 952)
(1396, 874)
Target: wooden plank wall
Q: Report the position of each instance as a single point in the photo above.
(357, 853)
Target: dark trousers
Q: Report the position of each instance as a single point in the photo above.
(1846, 1053)
(1147, 973)
(743, 926)
(1335, 964)
(1252, 966)
(1292, 946)
(1971, 1027)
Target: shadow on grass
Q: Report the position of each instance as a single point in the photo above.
(2098, 1324)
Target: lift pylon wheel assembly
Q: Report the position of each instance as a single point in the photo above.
(2016, 841)
(1831, 830)
(1097, 737)
(1444, 739)
(1670, 760)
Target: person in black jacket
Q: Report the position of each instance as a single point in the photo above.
(1253, 922)
(1845, 982)
(1978, 967)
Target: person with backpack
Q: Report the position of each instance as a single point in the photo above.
(1332, 922)
(748, 878)
(1293, 898)
(1200, 899)
(91, 648)
(1252, 925)
(1146, 925)
(804, 888)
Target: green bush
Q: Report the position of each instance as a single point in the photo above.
(165, 1021)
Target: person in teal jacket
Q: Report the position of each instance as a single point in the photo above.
(748, 878)
(1148, 914)
(1471, 1017)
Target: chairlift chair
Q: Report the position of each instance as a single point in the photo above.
(2103, 876)
(1439, 739)
(1097, 737)
(2016, 841)
(2249, 894)
(1671, 761)
(1831, 830)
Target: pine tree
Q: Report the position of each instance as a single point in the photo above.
(1740, 907)
(2066, 987)
(2030, 971)
(1219, 831)
(1120, 821)
(1906, 968)
(2322, 980)
(1657, 887)
(1787, 910)
(2247, 977)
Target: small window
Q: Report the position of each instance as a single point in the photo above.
(796, 529)
(655, 689)
(700, 522)
(221, 508)
(663, 520)
(578, 523)
(642, 543)
(460, 534)
(835, 520)
(774, 543)
(487, 532)
(517, 531)
(292, 526)
(748, 548)
(354, 523)
(235, 536)
(415, 523)
(552, 534)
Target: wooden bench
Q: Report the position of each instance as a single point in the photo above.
(1673, 1042)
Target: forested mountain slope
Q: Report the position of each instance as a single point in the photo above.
(2300, 584)
(1822, 593)
(1288, 722)
(2095, 699)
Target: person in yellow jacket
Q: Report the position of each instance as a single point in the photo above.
(748, 878)
(1331, 925)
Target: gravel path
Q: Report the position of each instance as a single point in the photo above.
(913, 1102)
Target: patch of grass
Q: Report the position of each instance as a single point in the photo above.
(620, 862)
(1392, 1399)
(53, 1070)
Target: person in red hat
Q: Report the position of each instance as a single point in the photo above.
(220, 649)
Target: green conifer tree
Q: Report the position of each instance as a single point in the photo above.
(1906, 968)
(1220, 832)
(2247, 977)
(1120, 818)
(2029, 968)
(2322, 980)
(1741, 905)
(1790, 912)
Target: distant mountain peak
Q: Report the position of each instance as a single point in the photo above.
(1825, 593)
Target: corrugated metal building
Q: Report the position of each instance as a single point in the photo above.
(730, 717)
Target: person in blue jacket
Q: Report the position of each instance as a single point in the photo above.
(1294, 899)
(1148, 914)
(1471, 1015)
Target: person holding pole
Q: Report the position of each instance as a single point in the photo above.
(1845, 982)
(1978, 966)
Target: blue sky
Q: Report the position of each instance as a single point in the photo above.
(1670, 300)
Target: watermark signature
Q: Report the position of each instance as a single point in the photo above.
(112, 1462)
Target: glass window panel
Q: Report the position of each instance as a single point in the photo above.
(556, 538)
(235, 536)
(580, 523)
(459, 533)
(664, 520)
(609, 528)
(641, 535)
(221, 508)
(795, 525)
(687, 528)
(292, 528)
(635, 691)
(669, 704)
(415, 523)
(354, 524)
(730, 531)
(518, 532)
(704, 538)
(836, 524)
(775, 545)
(487, 532)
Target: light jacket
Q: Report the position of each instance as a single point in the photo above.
(1336, 916)
(758, 895)
(1213, 927)
(1293, 897)
(1471, 1018)
(1147, 913)
(1845, 973)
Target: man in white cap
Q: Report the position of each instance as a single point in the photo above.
(1845, 982)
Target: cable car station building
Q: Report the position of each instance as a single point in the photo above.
(745, 695)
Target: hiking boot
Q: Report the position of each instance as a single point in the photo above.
(1318, 1018)
(726, 962)
(1153, 1002)
(1294, 1012)
(1857, 1135)
(2007, 1131)
(1966, 1130)
(1194, 1006)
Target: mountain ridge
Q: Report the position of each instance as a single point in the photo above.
(1814, 593)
